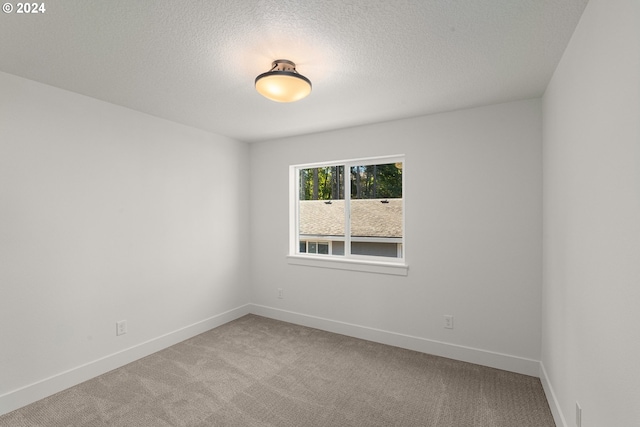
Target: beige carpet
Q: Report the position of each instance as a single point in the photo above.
(261, 372)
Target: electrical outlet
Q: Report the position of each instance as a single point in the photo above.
(448, 321)
(578, 415)
(121, 327)
(280, 293)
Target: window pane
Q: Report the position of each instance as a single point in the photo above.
(376, 209)
(325, 183)
(376, 181)
(375, 249)
(323, 248)
(303, 246)
(337, 247)
(313, 248)
(321, 205)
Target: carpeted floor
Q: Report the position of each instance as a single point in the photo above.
(256, 371)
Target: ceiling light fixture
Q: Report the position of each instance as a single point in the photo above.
(282, 83)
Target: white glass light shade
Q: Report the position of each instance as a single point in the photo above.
(283, 83)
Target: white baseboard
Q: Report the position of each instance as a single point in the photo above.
(33, 392)
(28, 394)
(491, 359)
(551, 398)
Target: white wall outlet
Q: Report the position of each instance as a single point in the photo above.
(280, 293)
(121, 327)
(578, 415)
(448, 321)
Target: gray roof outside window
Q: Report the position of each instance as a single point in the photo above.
(369, 217)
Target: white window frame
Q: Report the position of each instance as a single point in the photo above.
(348, 261)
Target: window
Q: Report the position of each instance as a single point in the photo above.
(348, 212)
(307, 247)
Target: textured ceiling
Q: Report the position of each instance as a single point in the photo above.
(194, 62)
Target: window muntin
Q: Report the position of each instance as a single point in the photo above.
(364, 219)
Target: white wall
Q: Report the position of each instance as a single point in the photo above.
(473, 227)
(109, 214)
(591, 318)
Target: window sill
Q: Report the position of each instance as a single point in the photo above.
(392, 268)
